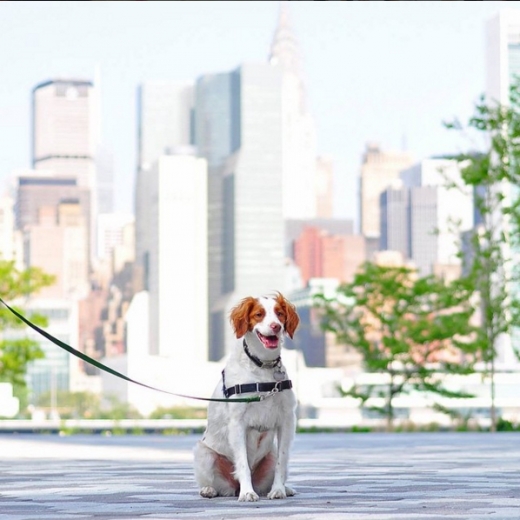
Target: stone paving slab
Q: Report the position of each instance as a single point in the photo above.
(422, 476)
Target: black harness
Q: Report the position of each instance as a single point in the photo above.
(271, 387)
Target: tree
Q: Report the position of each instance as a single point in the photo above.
(17, 352)
(494, 175)
(411, 328)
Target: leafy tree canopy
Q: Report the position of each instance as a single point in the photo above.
(16, 351)
(410, 327)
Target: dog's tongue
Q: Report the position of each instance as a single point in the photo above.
(269, 341)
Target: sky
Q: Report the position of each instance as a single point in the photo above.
(385, 72)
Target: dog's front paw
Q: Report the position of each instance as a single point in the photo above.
(289, 491)
(249, 496)
(208, 492)
(278, 493)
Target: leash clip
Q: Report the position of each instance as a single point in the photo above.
(274, 391)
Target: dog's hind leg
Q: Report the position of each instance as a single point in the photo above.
(213, 473)
(263, 474)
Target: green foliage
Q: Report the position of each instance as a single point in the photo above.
(494, 174)
(176, 412)
(72, 405)
(16, 353)
(408, 327)
(86, 405)
(507, 426)
(115, 409)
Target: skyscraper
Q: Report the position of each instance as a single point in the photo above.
(298, 128)
(437, 214)
(57, 243)
(378, 170)
(164, 124)
(238, 128)
(178, 258)
(395, 210)
(217, 136)
(65, 136)
(66, 129)
(503, 53)
(164, 118)
(36, 189)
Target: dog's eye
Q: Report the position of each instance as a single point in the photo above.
(279, 313)
(258, 315)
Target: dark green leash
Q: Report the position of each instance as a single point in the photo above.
(99, 365)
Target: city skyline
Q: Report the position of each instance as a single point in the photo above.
(398, 97)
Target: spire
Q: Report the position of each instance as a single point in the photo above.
(284, 48)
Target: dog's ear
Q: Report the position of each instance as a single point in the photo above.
(292, 319)
(239, 316)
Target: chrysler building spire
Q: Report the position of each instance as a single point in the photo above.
(298, 129)
(284, 48)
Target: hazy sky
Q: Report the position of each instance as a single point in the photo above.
(389, 72)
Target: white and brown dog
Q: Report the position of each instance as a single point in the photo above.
(245, 449)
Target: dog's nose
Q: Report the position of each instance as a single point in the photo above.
(275, 327)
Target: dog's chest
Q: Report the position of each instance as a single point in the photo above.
(270, 413)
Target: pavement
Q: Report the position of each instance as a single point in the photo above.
(423, 476)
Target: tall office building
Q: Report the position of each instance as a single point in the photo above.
(66, 128)
(503, 53)
(437, 214)
(502, 65)
(177, 259)
(238, 129)
(36, 189)
(298, 127)
(65, 136)
(217, 136)
(164, 118)
(378, 170)
(164, 124)
(57, 243)
(395, 209)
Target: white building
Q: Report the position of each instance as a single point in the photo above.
(164, 114)
(502, 64)
(502, 53)
(177, 260)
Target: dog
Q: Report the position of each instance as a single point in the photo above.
(245, 448)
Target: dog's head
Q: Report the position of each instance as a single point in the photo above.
(266, 317)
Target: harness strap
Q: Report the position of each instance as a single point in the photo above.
(249, 388)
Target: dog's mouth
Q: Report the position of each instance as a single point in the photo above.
(268, 341)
